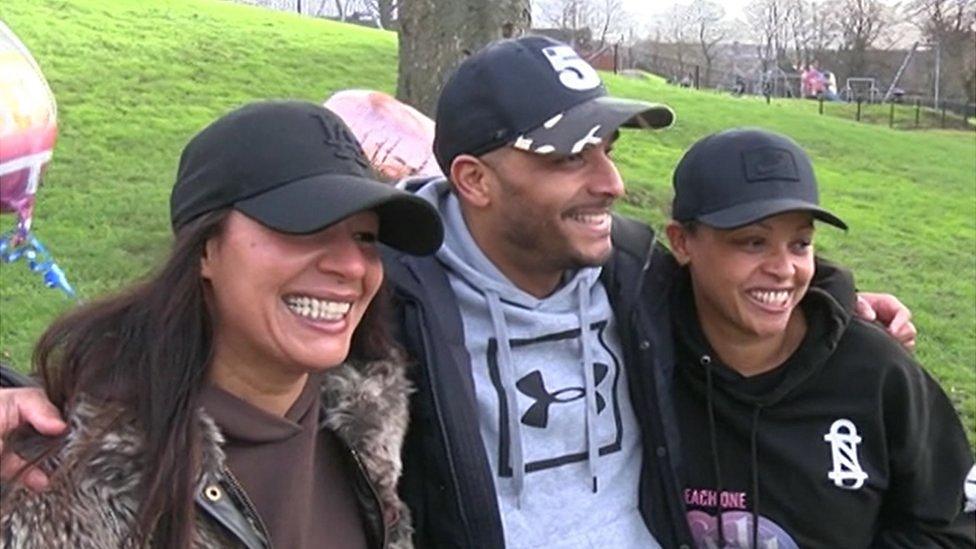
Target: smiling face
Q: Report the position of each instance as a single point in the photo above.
(290, 302)
(547, 213)
(748, 281)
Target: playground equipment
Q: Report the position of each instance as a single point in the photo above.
(778, 83)
(901, 69)
(861, 87)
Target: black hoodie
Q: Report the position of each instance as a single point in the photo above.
(848, 443)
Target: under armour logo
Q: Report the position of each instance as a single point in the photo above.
(341, 142)
(533, 386)
(843, 439)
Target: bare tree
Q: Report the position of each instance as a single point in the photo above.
(767, 19)
(434, 35)
(950, 24)
(608, 16)
(860, 24)
(675, 27)
(706, 19)
(383, 11)
(340, 6)
(599, 20)
(813, 30)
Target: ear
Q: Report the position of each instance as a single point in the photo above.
(208, 258)
(470, 177)
(678, 237)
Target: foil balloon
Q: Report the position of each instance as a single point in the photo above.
(397, 138)
(28, 130)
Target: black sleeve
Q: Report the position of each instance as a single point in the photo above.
(12, 378)
(929, 459)
(836, 281)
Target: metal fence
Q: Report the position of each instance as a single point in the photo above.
(902, 112)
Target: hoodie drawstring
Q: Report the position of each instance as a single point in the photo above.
(706, 361)
(754, 497)
(506, 371)
(589, 388)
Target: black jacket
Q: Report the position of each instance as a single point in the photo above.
(447, 482)
(849, 443)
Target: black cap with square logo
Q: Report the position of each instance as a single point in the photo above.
(295, 167)
(740, 176)
(536, 94)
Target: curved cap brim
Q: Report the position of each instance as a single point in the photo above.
(407, 223)
(590, 122)
(751, 212)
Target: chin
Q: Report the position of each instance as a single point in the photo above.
(768, 329)
(593, 257)
(320, 359)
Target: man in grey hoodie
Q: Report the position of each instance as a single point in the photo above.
(527, 228)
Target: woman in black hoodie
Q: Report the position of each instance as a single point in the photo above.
(801, 427)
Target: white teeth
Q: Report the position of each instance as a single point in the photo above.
(771, 297)
(591, 219)
(317, 309)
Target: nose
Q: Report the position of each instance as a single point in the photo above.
(780, 263)
(606, 180)
(344, 257)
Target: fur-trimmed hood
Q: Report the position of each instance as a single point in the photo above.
(98, 472)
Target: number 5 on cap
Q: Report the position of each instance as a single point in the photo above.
(574, 72)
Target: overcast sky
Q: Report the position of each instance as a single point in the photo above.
(646, 9)
(644, 13)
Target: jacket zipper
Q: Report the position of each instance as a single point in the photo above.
(248, 506)
(376, 497)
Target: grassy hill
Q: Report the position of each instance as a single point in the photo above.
(134, 80)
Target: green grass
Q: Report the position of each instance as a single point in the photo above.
(134, 80)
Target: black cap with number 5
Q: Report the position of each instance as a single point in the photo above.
(533, 93)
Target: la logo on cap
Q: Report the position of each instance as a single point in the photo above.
(340, 142)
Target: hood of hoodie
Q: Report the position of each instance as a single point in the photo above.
(553, 403)
(826, 322)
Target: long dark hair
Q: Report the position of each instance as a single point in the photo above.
(148, 348)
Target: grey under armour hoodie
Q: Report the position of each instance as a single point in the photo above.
(554, 408)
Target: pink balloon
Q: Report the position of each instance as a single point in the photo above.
(28, 128)
(397, 138)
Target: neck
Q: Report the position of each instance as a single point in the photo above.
(749, 354)
(270, 389)
(526, 272)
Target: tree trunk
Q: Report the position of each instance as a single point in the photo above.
(434, 35)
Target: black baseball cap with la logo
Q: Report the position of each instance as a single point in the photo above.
(536, 94)
(295, 167)
(743, 175)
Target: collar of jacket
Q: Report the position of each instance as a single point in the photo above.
(366, 405)
(633, 251)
